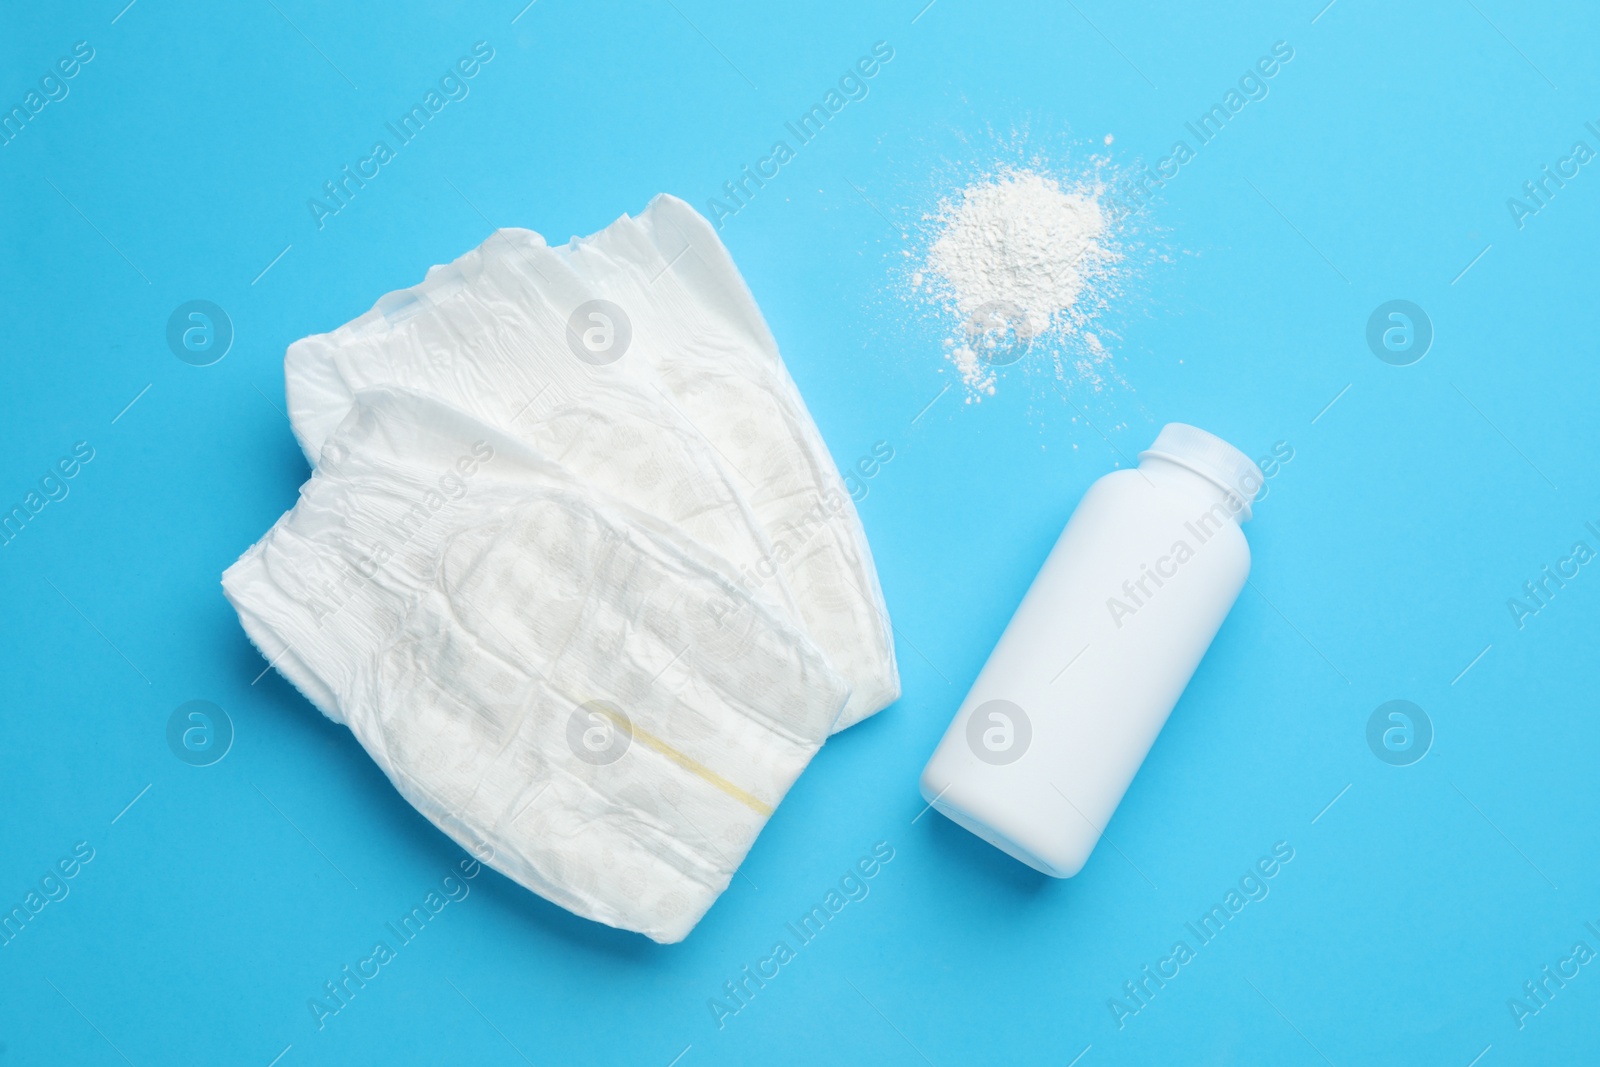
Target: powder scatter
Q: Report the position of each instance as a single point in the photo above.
(1021, 263)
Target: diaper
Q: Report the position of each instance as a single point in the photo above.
(719, 362)
(700, 423)
(468, 337)
(568, 685)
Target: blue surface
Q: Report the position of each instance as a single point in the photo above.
(179, 165)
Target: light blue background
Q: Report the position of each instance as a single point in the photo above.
(179, 166)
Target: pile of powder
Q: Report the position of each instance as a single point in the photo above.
(1019, 261)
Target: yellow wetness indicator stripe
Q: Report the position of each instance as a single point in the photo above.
(692, 766)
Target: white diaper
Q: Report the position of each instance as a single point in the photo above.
(462, 338)
(696, 421)
(719, 362)
(565, 684)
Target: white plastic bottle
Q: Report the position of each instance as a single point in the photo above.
(1087, 671)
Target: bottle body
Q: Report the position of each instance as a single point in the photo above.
(1071, 699)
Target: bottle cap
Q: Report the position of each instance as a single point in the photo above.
(1210, 457)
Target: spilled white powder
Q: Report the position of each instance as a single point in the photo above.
(1021, 263)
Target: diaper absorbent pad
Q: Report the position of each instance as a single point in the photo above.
(566, 683)
(689, 415)
(574, 565)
